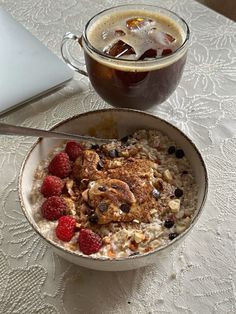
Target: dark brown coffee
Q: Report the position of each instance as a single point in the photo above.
(141, 68)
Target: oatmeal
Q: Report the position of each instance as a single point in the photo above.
(115, 200)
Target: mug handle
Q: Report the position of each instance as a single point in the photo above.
(67, 56)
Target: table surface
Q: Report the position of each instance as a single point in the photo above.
(226, 7)
(199, 276)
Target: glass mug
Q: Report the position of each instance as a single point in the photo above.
(130, 83)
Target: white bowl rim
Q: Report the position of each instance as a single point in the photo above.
(120, 259)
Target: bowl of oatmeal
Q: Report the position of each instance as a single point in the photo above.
(120, 205)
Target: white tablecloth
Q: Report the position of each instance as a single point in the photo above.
(200, 276)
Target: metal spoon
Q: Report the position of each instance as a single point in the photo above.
(8, 129)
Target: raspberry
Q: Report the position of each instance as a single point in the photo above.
(89, 242)
(53, 208)
(60, 165)
(51, 186)
(65, 228)
(73, 149)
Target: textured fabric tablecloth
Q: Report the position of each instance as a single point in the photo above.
(200, 276)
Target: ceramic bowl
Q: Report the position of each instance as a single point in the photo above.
(112, 123)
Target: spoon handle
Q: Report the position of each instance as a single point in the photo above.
(8, 129)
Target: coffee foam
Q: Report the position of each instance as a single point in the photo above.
(101, 36)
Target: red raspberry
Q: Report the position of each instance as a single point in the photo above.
(65, 228)
(51, 186)
(53, 208)
(60, 165)
(73, 149)
(89, 242)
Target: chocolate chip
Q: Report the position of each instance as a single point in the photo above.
(179, 192)
(125, 208)
(173, 235)
(100, 165)
(93, 218)
(113, 153)
(179, 153)
(94, 146)
(185, 172)
(169, 223)
(124, 139)
(102, 188)
(171, 150)
(156, 194)
(103, 207)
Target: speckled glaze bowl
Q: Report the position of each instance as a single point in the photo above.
(112, 123)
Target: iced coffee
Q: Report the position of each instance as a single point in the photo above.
(135, 54)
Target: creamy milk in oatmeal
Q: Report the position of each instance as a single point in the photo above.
(121, 199)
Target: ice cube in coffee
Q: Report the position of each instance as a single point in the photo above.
(119, 49)
(137, 49)
(136, 23)
(141, 37)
